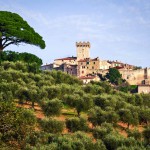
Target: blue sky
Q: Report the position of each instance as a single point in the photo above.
(117, 29)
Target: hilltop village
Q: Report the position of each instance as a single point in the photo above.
(87, 69)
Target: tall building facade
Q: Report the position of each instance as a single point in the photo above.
(83, 50)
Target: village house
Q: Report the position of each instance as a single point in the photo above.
(87, 69)
(144, 88)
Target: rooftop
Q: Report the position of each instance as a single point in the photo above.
(67, 58)
(87, 77)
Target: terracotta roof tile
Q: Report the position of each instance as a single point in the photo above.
(86, 77)
(67, 58)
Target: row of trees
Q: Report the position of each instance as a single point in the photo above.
(55, 90)
(15, 56)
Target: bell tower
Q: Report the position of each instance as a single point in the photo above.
(83, 50)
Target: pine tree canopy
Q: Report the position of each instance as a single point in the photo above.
(15, 30)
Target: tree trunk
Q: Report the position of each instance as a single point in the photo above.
(1, 46)
(78, 112)
(33, 104)
(0, 57)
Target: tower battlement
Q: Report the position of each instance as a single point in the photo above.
(83, 44)
(83, 50)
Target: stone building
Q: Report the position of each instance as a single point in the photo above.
(87, 79)
(104, 65)
(136, 77)
(88, 66)
(144, 89)
(68, 60)
(120, 65)
(84, 66)
(83, 50)
(47, 67)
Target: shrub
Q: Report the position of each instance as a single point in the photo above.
(135, 133)
(101, 131)
(51, 125)
(146, 135)
(75, 124)
(113, 141)
(52, 107)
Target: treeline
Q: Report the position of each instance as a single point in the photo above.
(24, 57)
(96, 103)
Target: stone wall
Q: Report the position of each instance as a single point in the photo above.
(144, 89)
(136, 77)
(70, 61)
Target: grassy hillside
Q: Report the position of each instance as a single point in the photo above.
(55, 111)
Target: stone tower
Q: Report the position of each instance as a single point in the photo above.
(83, 50)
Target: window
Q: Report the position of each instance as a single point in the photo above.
(87, 62)
(92, 67)
(82, 72)
(93, 62)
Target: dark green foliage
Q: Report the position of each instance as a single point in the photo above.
(101, 131)
(138, 100)
(87, 141)
(132, 148)
(51, 125)
(77, 141)
(52, 107)
(144, 116)
(104, 101)
(112, 117)
(114, 76)
(22, 94)
(80, 103)
(14, 30)
(76, 124)
(128, 88)
(99, 145)
(53, 90)
(106, 86)
(17, 66)
(146, 100)
(93, 89)
(61, 77)
(96, 116)
(70, 99)
(135, 134)
(146, 135)
(34, 63)
(113, 141)
(83, 103)
(129, 116)
(15, 123)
